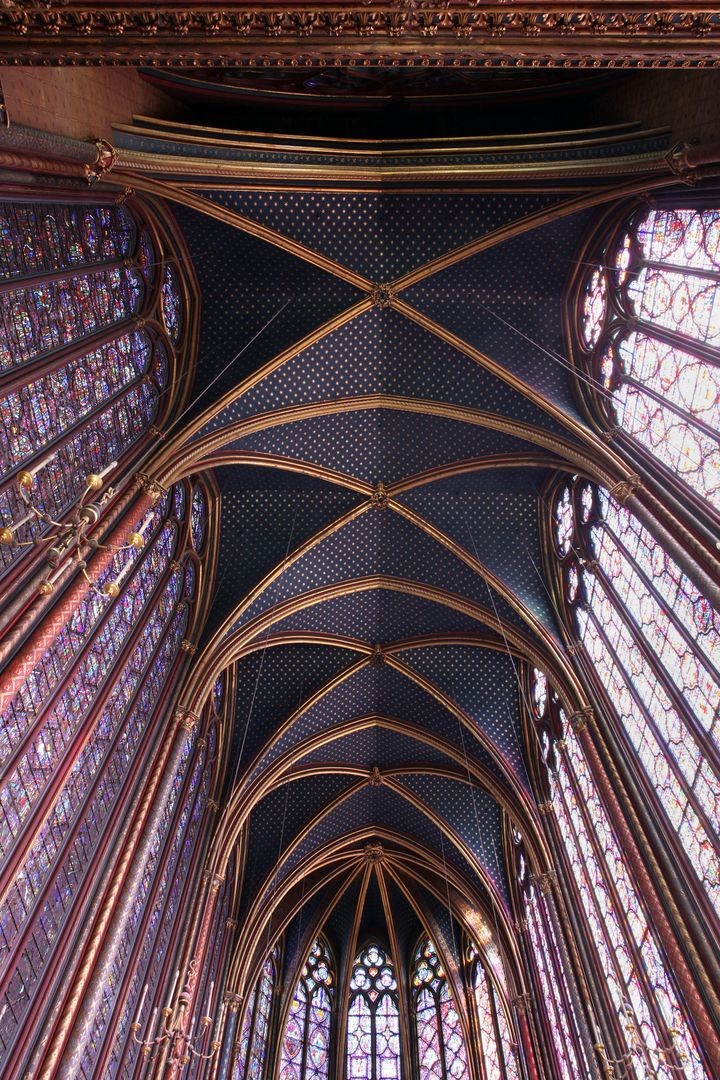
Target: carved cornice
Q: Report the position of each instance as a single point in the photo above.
(500, 34)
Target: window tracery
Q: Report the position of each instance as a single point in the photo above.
(252, 1054)
(629, 953)
(653, 642)
(498, 1047)
(441, 1044)
(650, 322)
(558, 1013)
(305, 1050)
(373, 1030)
(82, 374)
(88, 706)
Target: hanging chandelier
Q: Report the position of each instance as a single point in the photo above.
(183, 1044)
(69, 539)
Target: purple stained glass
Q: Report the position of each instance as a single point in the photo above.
(38, 319)
(622, 934)
(440, 1039)
(304, 1053)
(218, 695)
(198, 518)
(171, 304)
(46, 237)
(103, 438)
(42, 410)
(654, 642)
(665, 391)
(100, 770)
(146, 256)
(594, 306)
(373, 1033)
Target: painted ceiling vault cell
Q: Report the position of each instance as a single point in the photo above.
(382, 457)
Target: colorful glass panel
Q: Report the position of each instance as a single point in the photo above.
(664, 376)
(36, 320)
(198, 518)
(171, 304)
(373, 1033)
(441, 1044)
(654, 643)
(43, 238)
(594, 306)
(258, 1049)
(305, 1049)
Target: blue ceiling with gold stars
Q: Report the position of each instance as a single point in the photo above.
(384, 392)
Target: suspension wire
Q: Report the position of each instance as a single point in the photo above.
(263, 651)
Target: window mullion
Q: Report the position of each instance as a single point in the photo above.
(657, 736)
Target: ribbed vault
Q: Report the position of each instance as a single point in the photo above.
(382, 441)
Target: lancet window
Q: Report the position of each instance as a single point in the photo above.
(650, 326)
(651, 1023)
(373, 1029)
(305, 1050)
(498, 1046)
(652, 643)
(88, 335)
(252, 1053)
(76, 735)
(440, 1041)
(552, 988)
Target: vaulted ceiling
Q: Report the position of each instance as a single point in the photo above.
(385, 396)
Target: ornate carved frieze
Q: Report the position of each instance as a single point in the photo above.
(414, 33)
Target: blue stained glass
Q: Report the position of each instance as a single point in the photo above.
(171, 304)
(34, 321)
(305, 1049)
(45, 237)
(198, 518)
(104, 762)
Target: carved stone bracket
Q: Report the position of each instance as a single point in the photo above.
(185, 719)
(213, 806)
(622, 491)
(188, 647)
(579, 720)
(521, 1003)
(216, 882)
(545, 807)
(103, 163)
(152, 488)
(546, 881)
(679, 165)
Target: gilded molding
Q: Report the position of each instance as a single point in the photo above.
(103, 163)
(622, 491)
(498, 35)
(185, 719)
(546, 881)
(150, 487)
(580, 720)
(521, 1003)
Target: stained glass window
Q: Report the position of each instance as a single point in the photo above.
(72, 282)
(628, 949)
(250, 1059)
(440, 1040)
(373, 1024)
(305, 1050)
(651, 321)
(171, 304)
(198, 518)
(497, 1044)
(557, 1011)
(653, 643)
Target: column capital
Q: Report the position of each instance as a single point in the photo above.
(580, 720)
(185, 719)
(151, 487)
(521, 1003)
(546, 881)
